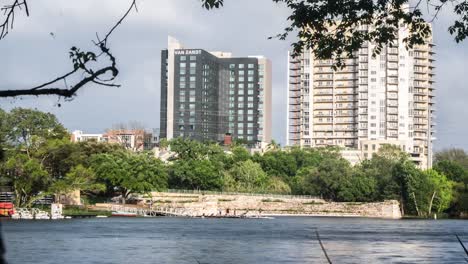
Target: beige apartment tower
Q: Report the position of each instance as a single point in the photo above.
(387, 99)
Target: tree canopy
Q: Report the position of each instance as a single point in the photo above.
(334, 29)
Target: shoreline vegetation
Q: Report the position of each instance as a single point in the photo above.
(38, 160)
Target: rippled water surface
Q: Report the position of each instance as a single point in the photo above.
(280, 240)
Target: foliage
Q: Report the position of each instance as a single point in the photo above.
(337, 29)
(196, 174)
(130, 172)
(28, 178)
(248, 176)
(79, 178)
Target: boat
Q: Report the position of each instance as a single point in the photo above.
(123, 214)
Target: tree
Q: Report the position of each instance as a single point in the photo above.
(452, 169)
(334, 29)
(324, 180)
(79, 178)
(24, 125)
(249, 177)
(458, 156)
(440, 191)
(28, 178)
(130, 173)
(85, 63)
(195, 174)
(358, 188)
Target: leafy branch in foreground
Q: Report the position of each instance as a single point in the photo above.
(83, 62)
(337, 29)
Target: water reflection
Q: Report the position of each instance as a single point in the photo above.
(282, 240)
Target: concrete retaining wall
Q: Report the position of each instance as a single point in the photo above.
(199, 204)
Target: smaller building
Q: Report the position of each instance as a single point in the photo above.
(132, 139)
(79, 136)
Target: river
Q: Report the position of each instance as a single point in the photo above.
(280, 240)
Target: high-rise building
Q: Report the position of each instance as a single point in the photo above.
(206, 95)
(372, 101)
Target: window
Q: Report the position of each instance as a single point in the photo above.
(193, 64)
(241, 72)
(192, 78)
(241, 86)
(240, 131)
(192, 58)
(251, 72)
(183, 58)
(250, 66)
(241, 78)
(250, 79)
(250, 92)
(250, 85)
(232, 66)
(241, 66)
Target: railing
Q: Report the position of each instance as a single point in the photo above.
(202, 192)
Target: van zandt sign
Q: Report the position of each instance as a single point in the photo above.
(188, 52)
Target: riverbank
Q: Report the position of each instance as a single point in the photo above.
(194, 204)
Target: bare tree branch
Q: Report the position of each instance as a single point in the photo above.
(81, 63)
(9, 12)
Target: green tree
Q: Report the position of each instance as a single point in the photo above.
(325, 180)
(249, 177)
(196, 174)
(334, 29)
(452, 169)
(25, 127)
(456, 155)
(440, 193)
(358, 188)
(79, 178)
(29, 179)
(130, 173)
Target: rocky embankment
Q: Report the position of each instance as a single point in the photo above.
(211, 204)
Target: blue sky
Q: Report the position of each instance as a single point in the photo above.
(31, 55)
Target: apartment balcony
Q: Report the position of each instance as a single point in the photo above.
(323, 78)
(420, 99)
(321, 69)
(345, 113)
(323, 106)
(352, 128)
(420, 106)
(322, 100)
(341, 121)
(323, 85)
(295, 80)
(294, 95)
(420, 62)
(326, 114)
(294, 109)
(345, 98)
(323, 92)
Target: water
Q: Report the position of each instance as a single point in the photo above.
(281, 240)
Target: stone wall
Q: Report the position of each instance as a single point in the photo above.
(208, 204)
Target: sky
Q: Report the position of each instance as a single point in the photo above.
(36, 51)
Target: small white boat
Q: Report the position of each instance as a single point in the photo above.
(123, 214)
(101, 216)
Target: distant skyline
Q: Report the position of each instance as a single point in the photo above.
(36, 50)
